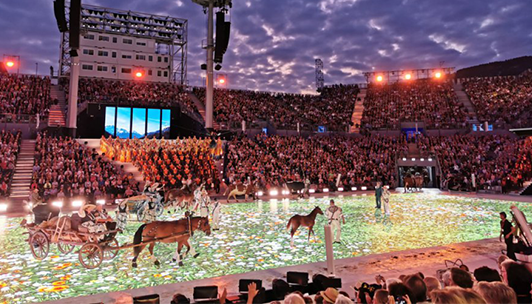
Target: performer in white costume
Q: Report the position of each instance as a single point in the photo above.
(334, 215)
(216, 208)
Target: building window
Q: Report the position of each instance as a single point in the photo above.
(149, 73)
(159, 73)
(115, 40)
(126, 56)
(127, 41)
(113, 70)
(103, 53)
(141, 57)
(126, 71)
(165, 59)
(142, 43)
(158, 58)
(165, 73)
(87, 67)
(113, 54)
(89, 37)
(102, 68)
(150, 58)
(103, 38)
(88, 52)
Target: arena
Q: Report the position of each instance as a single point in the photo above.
(265, 163)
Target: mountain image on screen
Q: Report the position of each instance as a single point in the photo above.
(110, 130)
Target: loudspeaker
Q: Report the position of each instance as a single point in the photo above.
(75, 23)
(243, 284)
(299, 278)
(223, 30)
(205, 292)
(59, 12)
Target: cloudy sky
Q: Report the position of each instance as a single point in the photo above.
(274, 43)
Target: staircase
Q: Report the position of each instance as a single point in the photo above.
(357, 112)
(201, 109)
(20, 186)
(57, 111)
(527, 189)
(462, 98)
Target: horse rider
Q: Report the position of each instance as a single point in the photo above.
(216, 206)
(334, 214)
(122, 214)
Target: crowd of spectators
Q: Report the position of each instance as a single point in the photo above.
(65, 168)
(430, 101)
(510, 284)
(502, 101)
(24, 94)
(171, 163)
(271, 161)
(495, 161)
(332, 109)
(9, 149)
(134, 93)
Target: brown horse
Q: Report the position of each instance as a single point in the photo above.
(169, 232)
(181, 198)
(302, 220)
(419, 182)
(240, 189)
(410, 183)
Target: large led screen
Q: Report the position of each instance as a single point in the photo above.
(139, 123)
(154, 123)
(123, 122)
(110, 113)
(165, 124)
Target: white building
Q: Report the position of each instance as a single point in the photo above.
(127, 45)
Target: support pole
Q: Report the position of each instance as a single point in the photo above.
(210, 51)
(72, 115)
(329, 249)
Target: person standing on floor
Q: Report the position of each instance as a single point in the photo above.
(334, 215)
(378, 194)
(507, 231)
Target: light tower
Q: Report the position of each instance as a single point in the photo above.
(208, 6)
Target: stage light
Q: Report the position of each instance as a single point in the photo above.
(221, 81)
(325, 190)
(77, 203)
(138, 74)
(274, 192)
(364, 188)
(58, 204)
(3, 207)
(353, 188)
(404, 158)
(341, 189)
(437, 75)
(430, 159)
(408, 76)
(10, 64)
(260, 193)
(311, 191)
(285, 192)
(422, 159)
(413, 159)
(100, 202)
(379, 78)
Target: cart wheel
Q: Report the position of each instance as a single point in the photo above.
(39, 244)
(65, 248)
(140, 215)
(159, 209)
(90, 255)
(110, 253)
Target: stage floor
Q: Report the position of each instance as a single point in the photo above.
(253, 237)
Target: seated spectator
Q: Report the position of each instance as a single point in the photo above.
(24, 94)
(381, 297)
(519, 278)
(461, 278)
(179, 299)
(496, 293)
(486, 274)
(329, 295)
(456, 295)
(400, 292)
(431, 283)
(418, 288)
(9, 149)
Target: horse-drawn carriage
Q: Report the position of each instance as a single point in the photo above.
(95, 247)
(140, 204)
